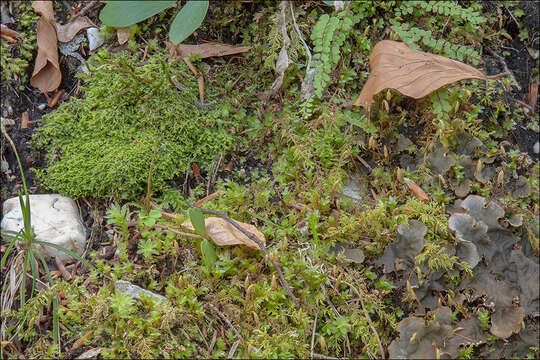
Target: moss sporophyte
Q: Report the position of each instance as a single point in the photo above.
(103, 144)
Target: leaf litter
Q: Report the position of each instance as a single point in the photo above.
(413, 73)
(222, 233)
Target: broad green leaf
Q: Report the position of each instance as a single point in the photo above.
(188, 19)
(208, 253)
(126, 13)
(197, 219)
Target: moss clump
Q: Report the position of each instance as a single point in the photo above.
(103, 145)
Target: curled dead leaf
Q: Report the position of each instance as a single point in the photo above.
(416, 190)
(46, 76)
(223, 233)
(67, 32)
(413, 73)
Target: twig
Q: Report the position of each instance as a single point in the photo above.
(321, 356)
(233, 349)
(254, 238)
(506, 69)
(366, 314)
(84, 10)
(226, 321)
(165, 227)
(308, 53)
(513, 18)
(60, 265)
(313, 335)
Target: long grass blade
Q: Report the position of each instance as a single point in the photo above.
(8, 250)
(33, 266)
(72, 254)
(8, 233)
(56, 330)
(22, 292)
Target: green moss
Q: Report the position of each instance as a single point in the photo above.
(15, 58)
(103, 145)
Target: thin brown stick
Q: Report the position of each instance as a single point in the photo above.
(506, 69)
(226, 321)
(254, 238)
(366, 314)
(165, 227)
(84, 10)
(65, 274)
(321, 356)
(313, 335)
(233, 348)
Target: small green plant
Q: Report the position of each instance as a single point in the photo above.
(328, 36)
(126, 13)
(483, 317)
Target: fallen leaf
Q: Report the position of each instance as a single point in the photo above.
(45, 9)
(416, 190)
(67, 32)
(24, 120)
(210, 50)
(46, 76)
(223, 233)
(413, 73)
(122, 35)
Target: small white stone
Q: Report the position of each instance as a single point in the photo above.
(54, 218)
(536, 147)
(95, 40)
(6, 121)
(42, 107)
(125, 287)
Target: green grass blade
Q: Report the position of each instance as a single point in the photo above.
(22, 292)
(56, 330)
(72, 254)
(33, 267)
(8, 233)
(8, 250)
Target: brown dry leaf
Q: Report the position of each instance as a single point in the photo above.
(416, 190)
(67, 32)
(413, 73)
(46, 76)
(45, 9)
(122, 34)
(211, 50)
(223, 233)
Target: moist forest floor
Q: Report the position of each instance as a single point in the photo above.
(406, 230)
